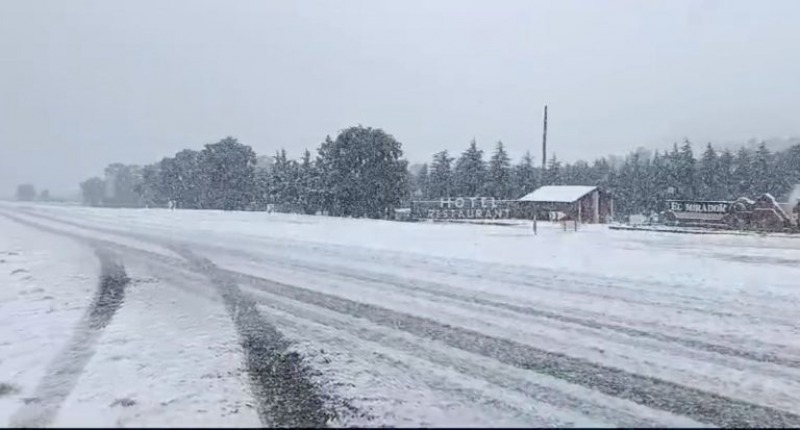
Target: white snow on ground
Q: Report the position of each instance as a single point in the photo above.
(46, 284)
(180, 359)
(168, 357)
(593, 250)
(585, 294)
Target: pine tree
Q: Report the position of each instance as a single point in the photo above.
(470, 172)
(709, 177)
(308, 185)
(660, 173)
(579, 174)
(422, 183)
(686, 170)
(673, 162)
(499, 183)
(625, 193)
(553, 174)
(601, 172)
(525, 176)
(331, 177)
(743, 174)
(763, 174)
(441, 177)
(262, 186)
(634, 185)
(645, 185)
(285, 182)
(725, 166)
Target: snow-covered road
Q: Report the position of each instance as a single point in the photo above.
(232, 318)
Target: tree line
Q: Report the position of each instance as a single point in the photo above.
(27, 193)
(640, 182)
(362, 173)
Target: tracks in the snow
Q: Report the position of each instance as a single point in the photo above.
(280, 380)
(654, 393)
(437, 290)
(649, 391)
(286, 396)
(65, 369)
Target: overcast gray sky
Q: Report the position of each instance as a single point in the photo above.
(86, 83)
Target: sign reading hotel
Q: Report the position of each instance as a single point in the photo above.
(463, 208)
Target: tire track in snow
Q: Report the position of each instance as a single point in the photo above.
(280, 383)
(279, 379)
(620, 345)
(468, 296)
(586, 283)
(649, 391)
(544, 394)
(582, 285)
(610, 411)
(63, 373)
(461, 295)
(613, 410)
(574, 283)
(438, 263)
(467, 368)
(652, 392)
(568, 285)
(578, 285)
(729, 376)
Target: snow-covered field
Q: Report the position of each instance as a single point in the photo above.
(400, 324)
(154, 365)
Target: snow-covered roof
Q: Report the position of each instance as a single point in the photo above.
(558, 193)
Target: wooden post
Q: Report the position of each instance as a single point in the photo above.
(544, 142)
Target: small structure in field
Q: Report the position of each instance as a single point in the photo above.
(580, 203)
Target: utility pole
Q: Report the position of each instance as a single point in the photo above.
(544, 146)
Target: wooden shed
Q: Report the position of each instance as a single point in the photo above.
(584, 203)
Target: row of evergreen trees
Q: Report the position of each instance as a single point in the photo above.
(472, 176)
(361, 173)
(640, 183)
